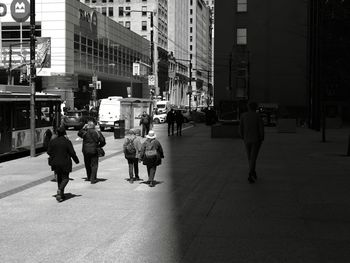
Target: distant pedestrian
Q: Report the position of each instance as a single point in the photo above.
(145, 123)
(48, 136)
(61, 151)
(151, 154)
(131, 148)
(92, 139)
(179, 119)
(252, 132)
(170, 119)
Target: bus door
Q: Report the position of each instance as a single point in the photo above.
(5, 128)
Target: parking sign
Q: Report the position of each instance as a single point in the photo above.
(151, 80)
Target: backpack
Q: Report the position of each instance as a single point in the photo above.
(130, 147)
(151, 151)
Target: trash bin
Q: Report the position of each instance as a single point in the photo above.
(119, 129)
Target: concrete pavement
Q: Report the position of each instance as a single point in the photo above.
(202, 210)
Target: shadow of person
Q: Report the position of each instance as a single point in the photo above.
(154, 182)
(101, 179)
(68, 196)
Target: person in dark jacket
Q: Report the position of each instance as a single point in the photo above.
(151, 154)
(252, 132)
(179, 119)
(145, 123)
(170, 119)
(61, 151)
(92, 139)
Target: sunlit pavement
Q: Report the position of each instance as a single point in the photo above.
(202, 210)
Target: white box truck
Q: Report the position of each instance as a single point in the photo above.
(109, 112)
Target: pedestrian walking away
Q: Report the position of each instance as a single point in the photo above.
(170, 119)
(151, 155)
(61, 151)
(145, 123)
(131, 149)
(252, 132)
(179, 119)
(92, 140)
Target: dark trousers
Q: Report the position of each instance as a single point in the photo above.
(91, 165)
(145, 129)
(62, 180)
(178, 129)
(133, 167)
(151, 171)
(170, 127)
(252, 153)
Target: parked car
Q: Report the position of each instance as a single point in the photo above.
(75, 119)
(159, 118)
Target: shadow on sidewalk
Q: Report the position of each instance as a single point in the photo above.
(68, 196)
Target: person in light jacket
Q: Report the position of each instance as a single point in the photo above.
(151, 154)
(252, 132)
(61, 151)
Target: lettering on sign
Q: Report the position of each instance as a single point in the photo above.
(20, 10)
(3, 9)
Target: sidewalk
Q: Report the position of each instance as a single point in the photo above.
(202, 210)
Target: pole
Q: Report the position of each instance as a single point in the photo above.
(230, 75)
(9, 76)
(32, 78)
(190, 86)
(152, 52)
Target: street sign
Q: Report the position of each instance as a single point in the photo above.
(98, 84)
(20, 10)
(136, 69)
(151, 80)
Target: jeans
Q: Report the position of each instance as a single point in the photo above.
(62, 180)
(252, 153)
(91, 165)
(145, 129)
(178, 129)
(171, 127)
(133, 166)
(151, 171)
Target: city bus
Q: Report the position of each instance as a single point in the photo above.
(15, 118)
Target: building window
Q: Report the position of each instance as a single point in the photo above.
(128, 1)
(104, 1)
(93, 1)
(241, 36)
(191, 20)
(190, 29)
(110, 11)
(104, 11)
(144, 26)
(127, 8)
(144, 11)
(87, 1)
(191, 2)
(144, 0)
(127, 24)
(190, 47)
(191, 38)
(121, 11)
(111, 1)
(242, 5)
(191, 11)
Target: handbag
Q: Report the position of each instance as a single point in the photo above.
(100, 152)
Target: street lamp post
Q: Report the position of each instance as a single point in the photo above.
(32, 77)
(189, 82)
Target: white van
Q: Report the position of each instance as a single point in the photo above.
(162, 106)
(109, 112)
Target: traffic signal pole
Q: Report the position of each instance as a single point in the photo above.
(32, 78)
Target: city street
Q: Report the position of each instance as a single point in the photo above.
(202, 210)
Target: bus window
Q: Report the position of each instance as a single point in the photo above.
(21, 118)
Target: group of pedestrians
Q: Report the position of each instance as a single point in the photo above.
(173, 117)
(150, 152)
(61, 152)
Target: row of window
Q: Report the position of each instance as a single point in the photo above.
(105, 1)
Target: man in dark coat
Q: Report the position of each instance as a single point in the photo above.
(145, 122)
(252, 133)
(179, 118)
(151, 154)
(92, 139)
(61, 151)
(170, 119)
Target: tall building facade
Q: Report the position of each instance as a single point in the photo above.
(260, 52)
(200, 46)
(80, 44)
(146, 18)
(179, 57)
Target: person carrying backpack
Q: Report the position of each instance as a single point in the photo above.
(151, 154)
(131, 148)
